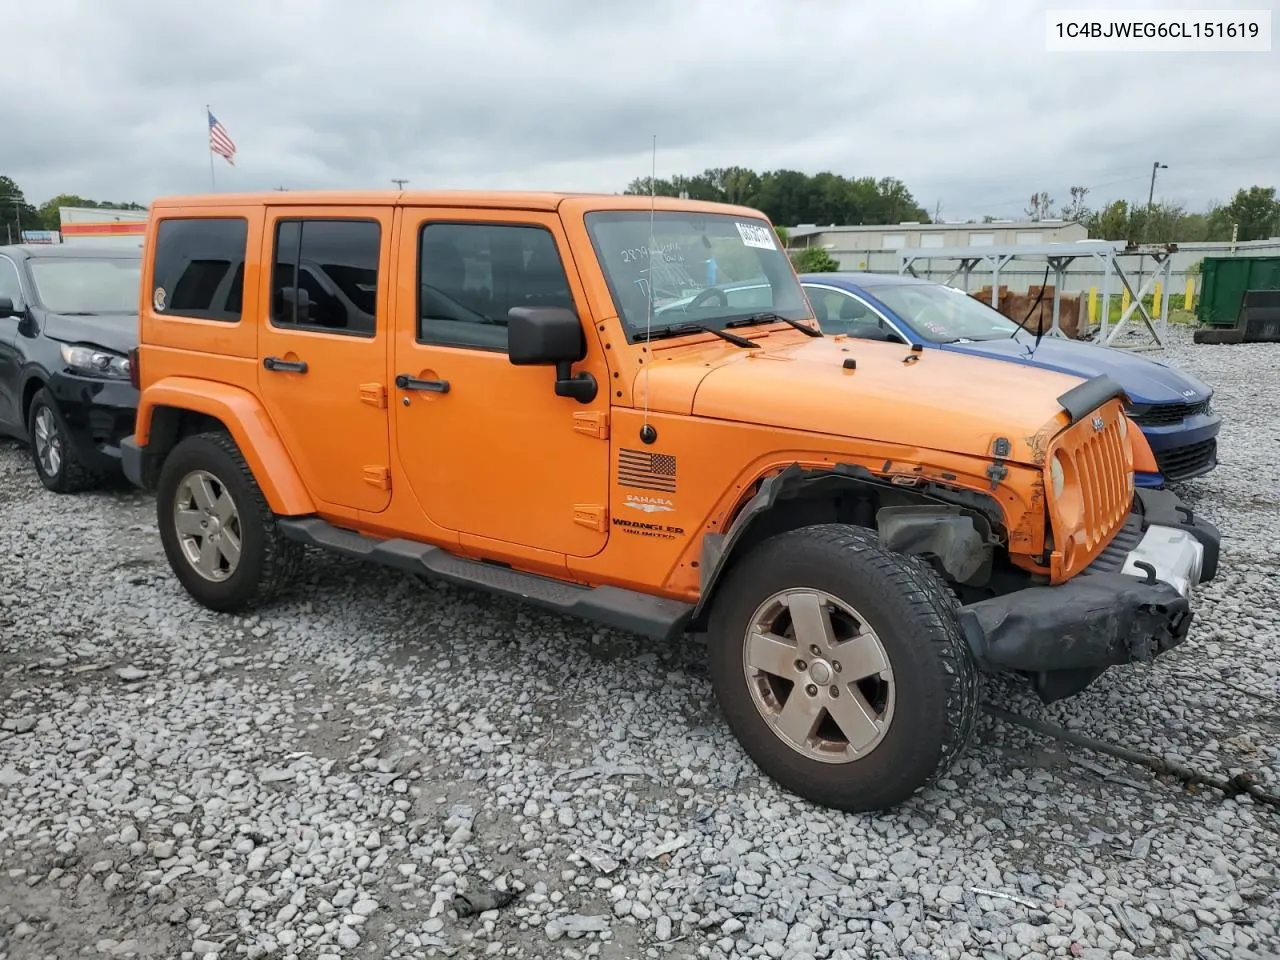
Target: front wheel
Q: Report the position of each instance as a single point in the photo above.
(217, 529)
(53, 451)
(841, 668)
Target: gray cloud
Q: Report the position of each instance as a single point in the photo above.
(958, 99)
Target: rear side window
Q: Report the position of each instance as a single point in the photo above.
(199, 267)
(325, 275)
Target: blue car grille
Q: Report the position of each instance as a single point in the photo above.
(1167, 414)
(1179, 463)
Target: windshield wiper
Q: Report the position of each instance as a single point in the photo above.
(678, 329)
(773, 318)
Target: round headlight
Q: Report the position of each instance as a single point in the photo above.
(1057, 476)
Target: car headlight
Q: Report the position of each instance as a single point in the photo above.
(1057, 476)
(94, 362)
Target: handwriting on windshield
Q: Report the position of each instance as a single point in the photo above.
(670, 253)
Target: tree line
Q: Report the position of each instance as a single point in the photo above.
(790, 197)
(1253, 213)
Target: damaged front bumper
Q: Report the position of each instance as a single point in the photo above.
(1132, 603)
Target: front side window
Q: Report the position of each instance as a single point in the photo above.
(842, 313)
(10, 286)
(325, 275)
(692, 268)
(944, 314)
(471, 274)
(87, 285)
(199, 267)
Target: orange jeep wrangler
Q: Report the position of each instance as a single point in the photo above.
(563, 398)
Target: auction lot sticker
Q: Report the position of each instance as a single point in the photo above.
(754, 235)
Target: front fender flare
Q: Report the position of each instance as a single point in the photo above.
(250, 427)
(983, 515)
(1144, 461)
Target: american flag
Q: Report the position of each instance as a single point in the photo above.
(219, 142)
(647, 471)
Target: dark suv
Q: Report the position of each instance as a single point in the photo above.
(68, 320)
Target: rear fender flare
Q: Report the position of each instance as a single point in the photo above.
(249, 425)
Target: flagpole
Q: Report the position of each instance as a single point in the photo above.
(209, 143)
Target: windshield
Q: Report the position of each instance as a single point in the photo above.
(87, 285)
(943, 314)
(700, 268)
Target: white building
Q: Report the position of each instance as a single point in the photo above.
(881, 242)
(102, 225)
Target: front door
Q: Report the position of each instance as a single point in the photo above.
(488, 448)
(322, 348)
(10, 358)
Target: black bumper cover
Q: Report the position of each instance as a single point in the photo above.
(1065, 636)
(131, 460)
(99, 413)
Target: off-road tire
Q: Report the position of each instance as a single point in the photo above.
(268, 560)
(937, 684)
(72, 475)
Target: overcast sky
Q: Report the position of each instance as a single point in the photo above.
(958, 99)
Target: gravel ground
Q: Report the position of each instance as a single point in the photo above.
(347, 773)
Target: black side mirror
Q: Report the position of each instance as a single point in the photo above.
(551, 336)
(6, 308)
(295, 304)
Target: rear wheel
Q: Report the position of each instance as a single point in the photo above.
(217, 529)
(841, 668)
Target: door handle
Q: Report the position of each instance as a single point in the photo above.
(406, 382)
(284, 366)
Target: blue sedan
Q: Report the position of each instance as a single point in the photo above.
(1172, 408)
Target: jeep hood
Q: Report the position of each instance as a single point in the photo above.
(938, 401)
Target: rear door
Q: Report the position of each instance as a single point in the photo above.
(322, 347)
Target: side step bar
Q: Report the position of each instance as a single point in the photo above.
(655, 617)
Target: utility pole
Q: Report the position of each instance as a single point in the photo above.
(399, 182)
(1146, 221)
(1157, 165)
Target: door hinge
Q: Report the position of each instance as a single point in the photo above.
(374, 394)
(590, 515)
(378, 476)
(592, 424)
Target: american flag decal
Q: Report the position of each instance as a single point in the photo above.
(647, 471)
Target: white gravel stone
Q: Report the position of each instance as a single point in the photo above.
(273, 775)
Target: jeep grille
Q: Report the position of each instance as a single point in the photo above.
(1100, 466)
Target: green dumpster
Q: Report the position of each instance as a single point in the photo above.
(1224, 281)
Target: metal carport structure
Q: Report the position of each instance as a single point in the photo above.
(1059, 256)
